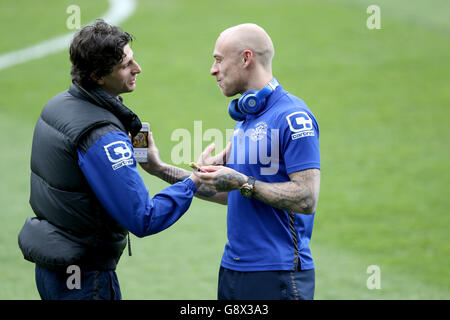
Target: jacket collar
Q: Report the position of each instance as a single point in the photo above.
(103, 99)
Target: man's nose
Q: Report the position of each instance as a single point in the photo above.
(137, 68)
(213, 70)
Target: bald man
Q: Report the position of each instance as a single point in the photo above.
(270, 182)
(243, 59)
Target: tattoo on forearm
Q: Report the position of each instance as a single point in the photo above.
(287, 196)
(228, 182)
(205, 192)
(299, 195)
(173, 175)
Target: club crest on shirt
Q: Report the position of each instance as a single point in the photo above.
(259, 132)
(300, 124)
(119, 154)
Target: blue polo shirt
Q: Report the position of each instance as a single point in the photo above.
(282, 139)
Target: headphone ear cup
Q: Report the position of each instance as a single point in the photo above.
(234, 111)
(249, 103)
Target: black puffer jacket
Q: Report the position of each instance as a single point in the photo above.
(71, 226)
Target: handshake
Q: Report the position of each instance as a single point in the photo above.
(209, 171)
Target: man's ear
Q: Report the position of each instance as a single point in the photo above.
(247, 57)
(100, 81)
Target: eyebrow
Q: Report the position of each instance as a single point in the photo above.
(125, 62)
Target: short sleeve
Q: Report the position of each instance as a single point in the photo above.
(300, 141)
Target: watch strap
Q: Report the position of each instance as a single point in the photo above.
(251, 181)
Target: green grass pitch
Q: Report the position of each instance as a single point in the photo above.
(381, 98)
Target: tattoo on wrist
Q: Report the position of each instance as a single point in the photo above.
(173, 175)
(205, 192)
(229, 181)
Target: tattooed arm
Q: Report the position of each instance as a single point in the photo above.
(298, 195)
(172, 174)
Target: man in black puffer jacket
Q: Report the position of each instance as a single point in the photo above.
(86, 191)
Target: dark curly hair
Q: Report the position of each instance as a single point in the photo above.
(95, 50)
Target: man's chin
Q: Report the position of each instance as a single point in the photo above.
(129, 89)
(227, 93)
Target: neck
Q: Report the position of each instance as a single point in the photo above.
(114, 94)
(259, 79)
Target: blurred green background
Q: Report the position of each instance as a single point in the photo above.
(381, 98)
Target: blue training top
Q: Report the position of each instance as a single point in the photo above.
(110, 169)
(283, 138)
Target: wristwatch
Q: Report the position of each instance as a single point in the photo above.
(247, 188)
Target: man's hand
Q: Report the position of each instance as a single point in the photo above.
(221, 179)
(154, 165)
(172, 174)
(206, 159)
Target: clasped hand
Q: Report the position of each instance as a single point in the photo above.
(218, 177)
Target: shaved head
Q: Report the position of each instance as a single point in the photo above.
(252, 37)
(242, 59)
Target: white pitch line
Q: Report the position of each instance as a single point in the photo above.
(118, 11)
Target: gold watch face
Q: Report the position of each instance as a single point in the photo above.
(246, 191)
